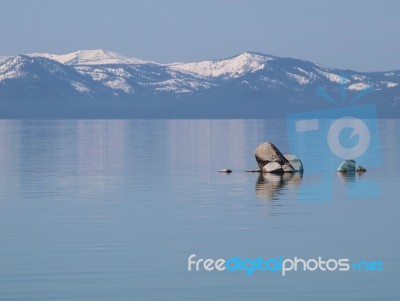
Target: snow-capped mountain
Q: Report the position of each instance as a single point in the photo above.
(102, 83)
(90, 57)
(3, 59)
(234, 67)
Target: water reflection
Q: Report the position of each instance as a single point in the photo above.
(90, 201)
(268, 185)
(358, 185)
(349, 176)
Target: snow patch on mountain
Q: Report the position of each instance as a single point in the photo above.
(119, 72)
(298, 78)
(10, 75)
(390, 84)
(358, 77)
(90, 57)
(309, 75)
(358, 87)
(232, 67)
(172, 85)
(179, 85)
(272, 82)
(95, 73)
(335, 78)
(119, 83)
(12, 68)
(81, 88)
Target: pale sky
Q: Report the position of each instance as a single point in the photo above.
(361, 35)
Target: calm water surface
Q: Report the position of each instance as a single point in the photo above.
(111, 210)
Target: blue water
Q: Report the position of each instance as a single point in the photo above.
(111, 210)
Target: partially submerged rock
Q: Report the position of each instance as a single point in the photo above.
(267, 152)
(271, 160)
(295, 162)
(225, 170)
(273, 167)
(347, 166)
(253, 170)
(288, 168)
(360, 168)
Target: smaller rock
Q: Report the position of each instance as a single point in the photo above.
(291, 157)
(360, 168)
(295, 162)
(273, 167)
(288, 168)
(253, 170)
(225, 170)
(347, 166)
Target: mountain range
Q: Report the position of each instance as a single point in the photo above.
(103, 84)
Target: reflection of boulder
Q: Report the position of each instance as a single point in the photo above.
(268, 185)
(347, 176)
(292, 180)
(351, 176)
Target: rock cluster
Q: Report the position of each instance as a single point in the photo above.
(350, 166)
(271, 160)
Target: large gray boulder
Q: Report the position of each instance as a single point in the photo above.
(267, 152)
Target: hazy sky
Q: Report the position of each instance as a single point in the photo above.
(362, 35)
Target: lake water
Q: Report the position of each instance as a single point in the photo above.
(111, 210)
